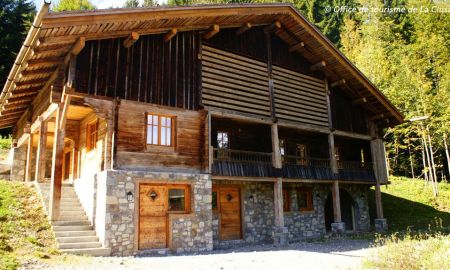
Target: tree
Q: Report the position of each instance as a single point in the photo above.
(16, 18)
(131, 4)
(149, 3)
(66, 5)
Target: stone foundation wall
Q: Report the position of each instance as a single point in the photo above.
(116, 219)
(360, 195)
(19, 159)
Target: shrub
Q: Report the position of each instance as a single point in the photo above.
(5, 142)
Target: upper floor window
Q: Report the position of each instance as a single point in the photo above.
(91, 135)
(160, 130)
(222, 140)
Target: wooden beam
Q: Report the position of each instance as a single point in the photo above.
(33, 81)
(3, 113)
(50, 48)
(359, 101)
(23, 99)
(23, 139)
(297, 47)
(332, 153)
(170, 34)
(273, 26)
(336, 202)
(131, 39)
(29, 159)
(376, 117)
(39, 71)
(24, 91)
(278, 203)
(65, 109)
(338, 83)
(244, 28)
(212, 31)
(48, 61)
(276, 153)
(78, 46)
(318, 65)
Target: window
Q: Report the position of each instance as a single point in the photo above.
(160, 130)
(362, 158)
(282, 147)
(301, 154)
(305, 199)
(222, 140)
(286, 200)
(337, 153)
(91, 135)
(178, 199)
(214, 200)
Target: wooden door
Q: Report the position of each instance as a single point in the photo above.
(230, 213)
(152, 216)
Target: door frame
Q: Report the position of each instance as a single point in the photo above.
(159, 182)
(241, 205)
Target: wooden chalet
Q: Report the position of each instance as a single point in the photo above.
(183, 129)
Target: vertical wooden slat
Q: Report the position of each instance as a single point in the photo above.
(29, 158)
(41, 151)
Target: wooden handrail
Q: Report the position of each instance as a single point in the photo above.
(232, 155)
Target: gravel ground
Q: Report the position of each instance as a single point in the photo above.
(331, 254)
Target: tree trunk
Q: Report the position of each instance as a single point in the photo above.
(427, 151)
(410, 160)
(433, 167)
(425, 175)
(446, 153)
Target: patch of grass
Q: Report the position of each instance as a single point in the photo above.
(24, 229)
(428, 250)
(5, 142)
(409, 203)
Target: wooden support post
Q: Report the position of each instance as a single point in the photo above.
(169, 35)
(41, 149)
(244, 28)
(57, 159)
(273, 26)
(212, 31)
(318, 65)
(278, 203)
(332, 153)
(336, 202)
(29, 158)
(276, 154)
(359, 101)
(131, 39)
(378, 202)
(210, 148)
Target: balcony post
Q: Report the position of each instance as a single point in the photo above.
(276, 154)
(41, 149)
(29, 158)
(337, 227)
(331, 150)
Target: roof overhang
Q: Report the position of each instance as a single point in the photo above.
(54, 35)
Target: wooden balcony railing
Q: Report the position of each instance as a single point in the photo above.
(228, 162)
(355, 170)
(306, 168)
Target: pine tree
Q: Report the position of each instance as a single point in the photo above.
(67, 5)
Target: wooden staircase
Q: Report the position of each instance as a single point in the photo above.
(73, 231)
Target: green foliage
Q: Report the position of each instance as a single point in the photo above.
(131, 4)
(409, 203)
(24, 230)
(68, 5)
(5, 142)
(426, 250)
(15, 19)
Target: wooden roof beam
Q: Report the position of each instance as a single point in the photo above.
(48, 61)
(338, 83)
(131, 39)
(318, 65)
(297, 47)
(359, 101)
(15, 114)
(34, 81)
(37, 71)
(244, 28)
(170, 34)
(19, 100)
(273, 26)
(212, 31)
(78, 46)
(50, 48)
(376, 117)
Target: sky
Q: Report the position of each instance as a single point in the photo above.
(97, 3)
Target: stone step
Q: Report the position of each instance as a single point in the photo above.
(77, 239)
(103, 252)
(72, 211)
(64, 217)
(74, 233)
(70, 222)
(69, 228)
(79, 245)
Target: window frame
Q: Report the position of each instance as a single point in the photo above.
(173, 130)
(217, 209)
(309, 199)
(89, 127)
(286, 200)
(187, 199)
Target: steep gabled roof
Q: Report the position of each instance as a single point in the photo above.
(54, 35)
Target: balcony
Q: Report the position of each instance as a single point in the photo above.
(355, 170)
(306, 168)
(230, 162)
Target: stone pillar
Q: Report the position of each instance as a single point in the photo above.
(280, 232)
(18, 163)
(337, 227)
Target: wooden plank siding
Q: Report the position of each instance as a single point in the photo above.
(133, 152)
(152, 70)
(234, 82)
